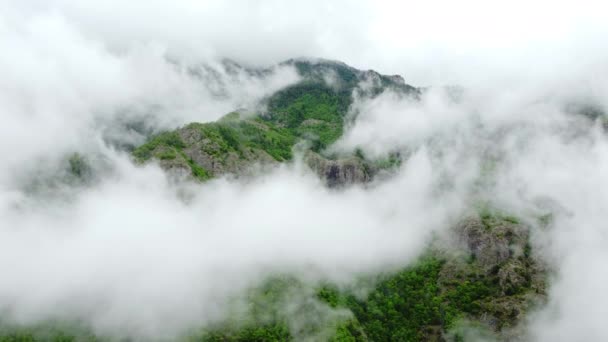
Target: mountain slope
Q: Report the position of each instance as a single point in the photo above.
(312, 111)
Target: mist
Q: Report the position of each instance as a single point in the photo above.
(140, 253)
(548, 160)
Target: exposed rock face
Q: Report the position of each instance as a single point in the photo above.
(397, 79)
(493, 241)
(339, 172)
(496, 254)
(350, 77)
(177, 165)
(206, 152)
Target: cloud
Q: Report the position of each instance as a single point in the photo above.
(569, 170)
(430, 42)
(132, 256)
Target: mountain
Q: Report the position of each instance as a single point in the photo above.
(312, 111)
(483, 276)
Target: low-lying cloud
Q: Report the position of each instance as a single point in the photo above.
(131, 255)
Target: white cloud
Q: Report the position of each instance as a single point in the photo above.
(131, 256)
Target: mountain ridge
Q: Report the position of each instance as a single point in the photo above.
(313, 110)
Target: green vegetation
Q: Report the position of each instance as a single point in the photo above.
(545, 220)
(392, 161)
(295, 104)
(266, 136)
(466, 296)
(78, 166)
(311, 110)
(402, 306)
(413, 304)
(79, 169)
(197, 171)
(317, 70)
(261, 333)
(48, 332)
(307, 111)
(347, 78)
(168, 146)
(491, 216)
(284, 309)
(220, 138)
(170, 140)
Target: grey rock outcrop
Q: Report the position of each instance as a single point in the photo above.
(492, 241)
(492, 253)
(339, 172)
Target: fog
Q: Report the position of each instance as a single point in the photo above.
(139, 253)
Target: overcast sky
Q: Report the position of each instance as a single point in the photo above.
(427, 41)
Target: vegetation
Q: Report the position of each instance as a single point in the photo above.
(402, 305)
(218, 139)
(198, 172)
(491, 216)
(308, 111)
(79, 170)
(311, 111)
(49, 332)
(78, 166)
(171, 140)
